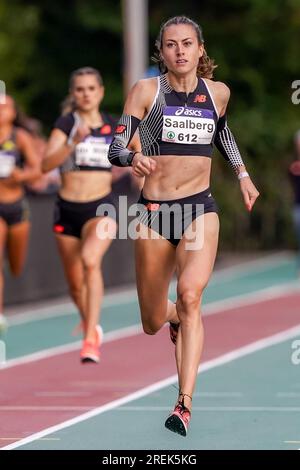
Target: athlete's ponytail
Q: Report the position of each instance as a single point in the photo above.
(206, 66)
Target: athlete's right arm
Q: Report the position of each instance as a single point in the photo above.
(135, 109)
(58, 148)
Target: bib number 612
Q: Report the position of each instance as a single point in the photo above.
(187, 137)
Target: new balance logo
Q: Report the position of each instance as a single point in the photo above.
(200, 99)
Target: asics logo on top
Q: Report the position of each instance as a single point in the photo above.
(188, 112)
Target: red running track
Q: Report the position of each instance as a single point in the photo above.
(128, 365)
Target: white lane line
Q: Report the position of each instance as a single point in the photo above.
(252, 298)
(66, 348)
(68, 308)
(152, 408)
(19, 438)
(129, 295)
(208, 309)
(224, 359)
(42, 313)
(216, 408)
(260, 264)
(46, 408)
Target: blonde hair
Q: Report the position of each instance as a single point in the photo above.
(69, 105)
(206, 65)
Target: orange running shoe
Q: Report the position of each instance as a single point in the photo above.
(90, 351)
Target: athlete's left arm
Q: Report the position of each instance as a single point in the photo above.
(119, 171)
(135, 146)
(226, 144)
(31, 170)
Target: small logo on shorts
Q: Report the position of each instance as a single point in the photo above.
(59, 229)
(152, 206)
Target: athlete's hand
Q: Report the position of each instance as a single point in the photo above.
(16, 176)
(249, 192)
(81, 133)
(142, 166)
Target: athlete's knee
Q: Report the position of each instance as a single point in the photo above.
(75, 291)
(188, 297)
(90, 261)
(151, 327)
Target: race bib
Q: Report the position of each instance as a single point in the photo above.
(185, 125)
(7, 164)
(92, 152)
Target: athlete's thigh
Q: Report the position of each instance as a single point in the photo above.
(97, 234)
(195, 262)
(17, 244)
(155, 263)
(3, 239)
(69, 250)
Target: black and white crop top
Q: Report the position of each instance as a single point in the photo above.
(179, 124)
(10, 155)
(91, 153)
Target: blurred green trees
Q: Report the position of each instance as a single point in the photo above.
(254, 42)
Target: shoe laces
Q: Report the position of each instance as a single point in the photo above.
(181, 406)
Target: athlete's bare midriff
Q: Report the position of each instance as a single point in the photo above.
(177, 176)
(85, 186)
(10, 192)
